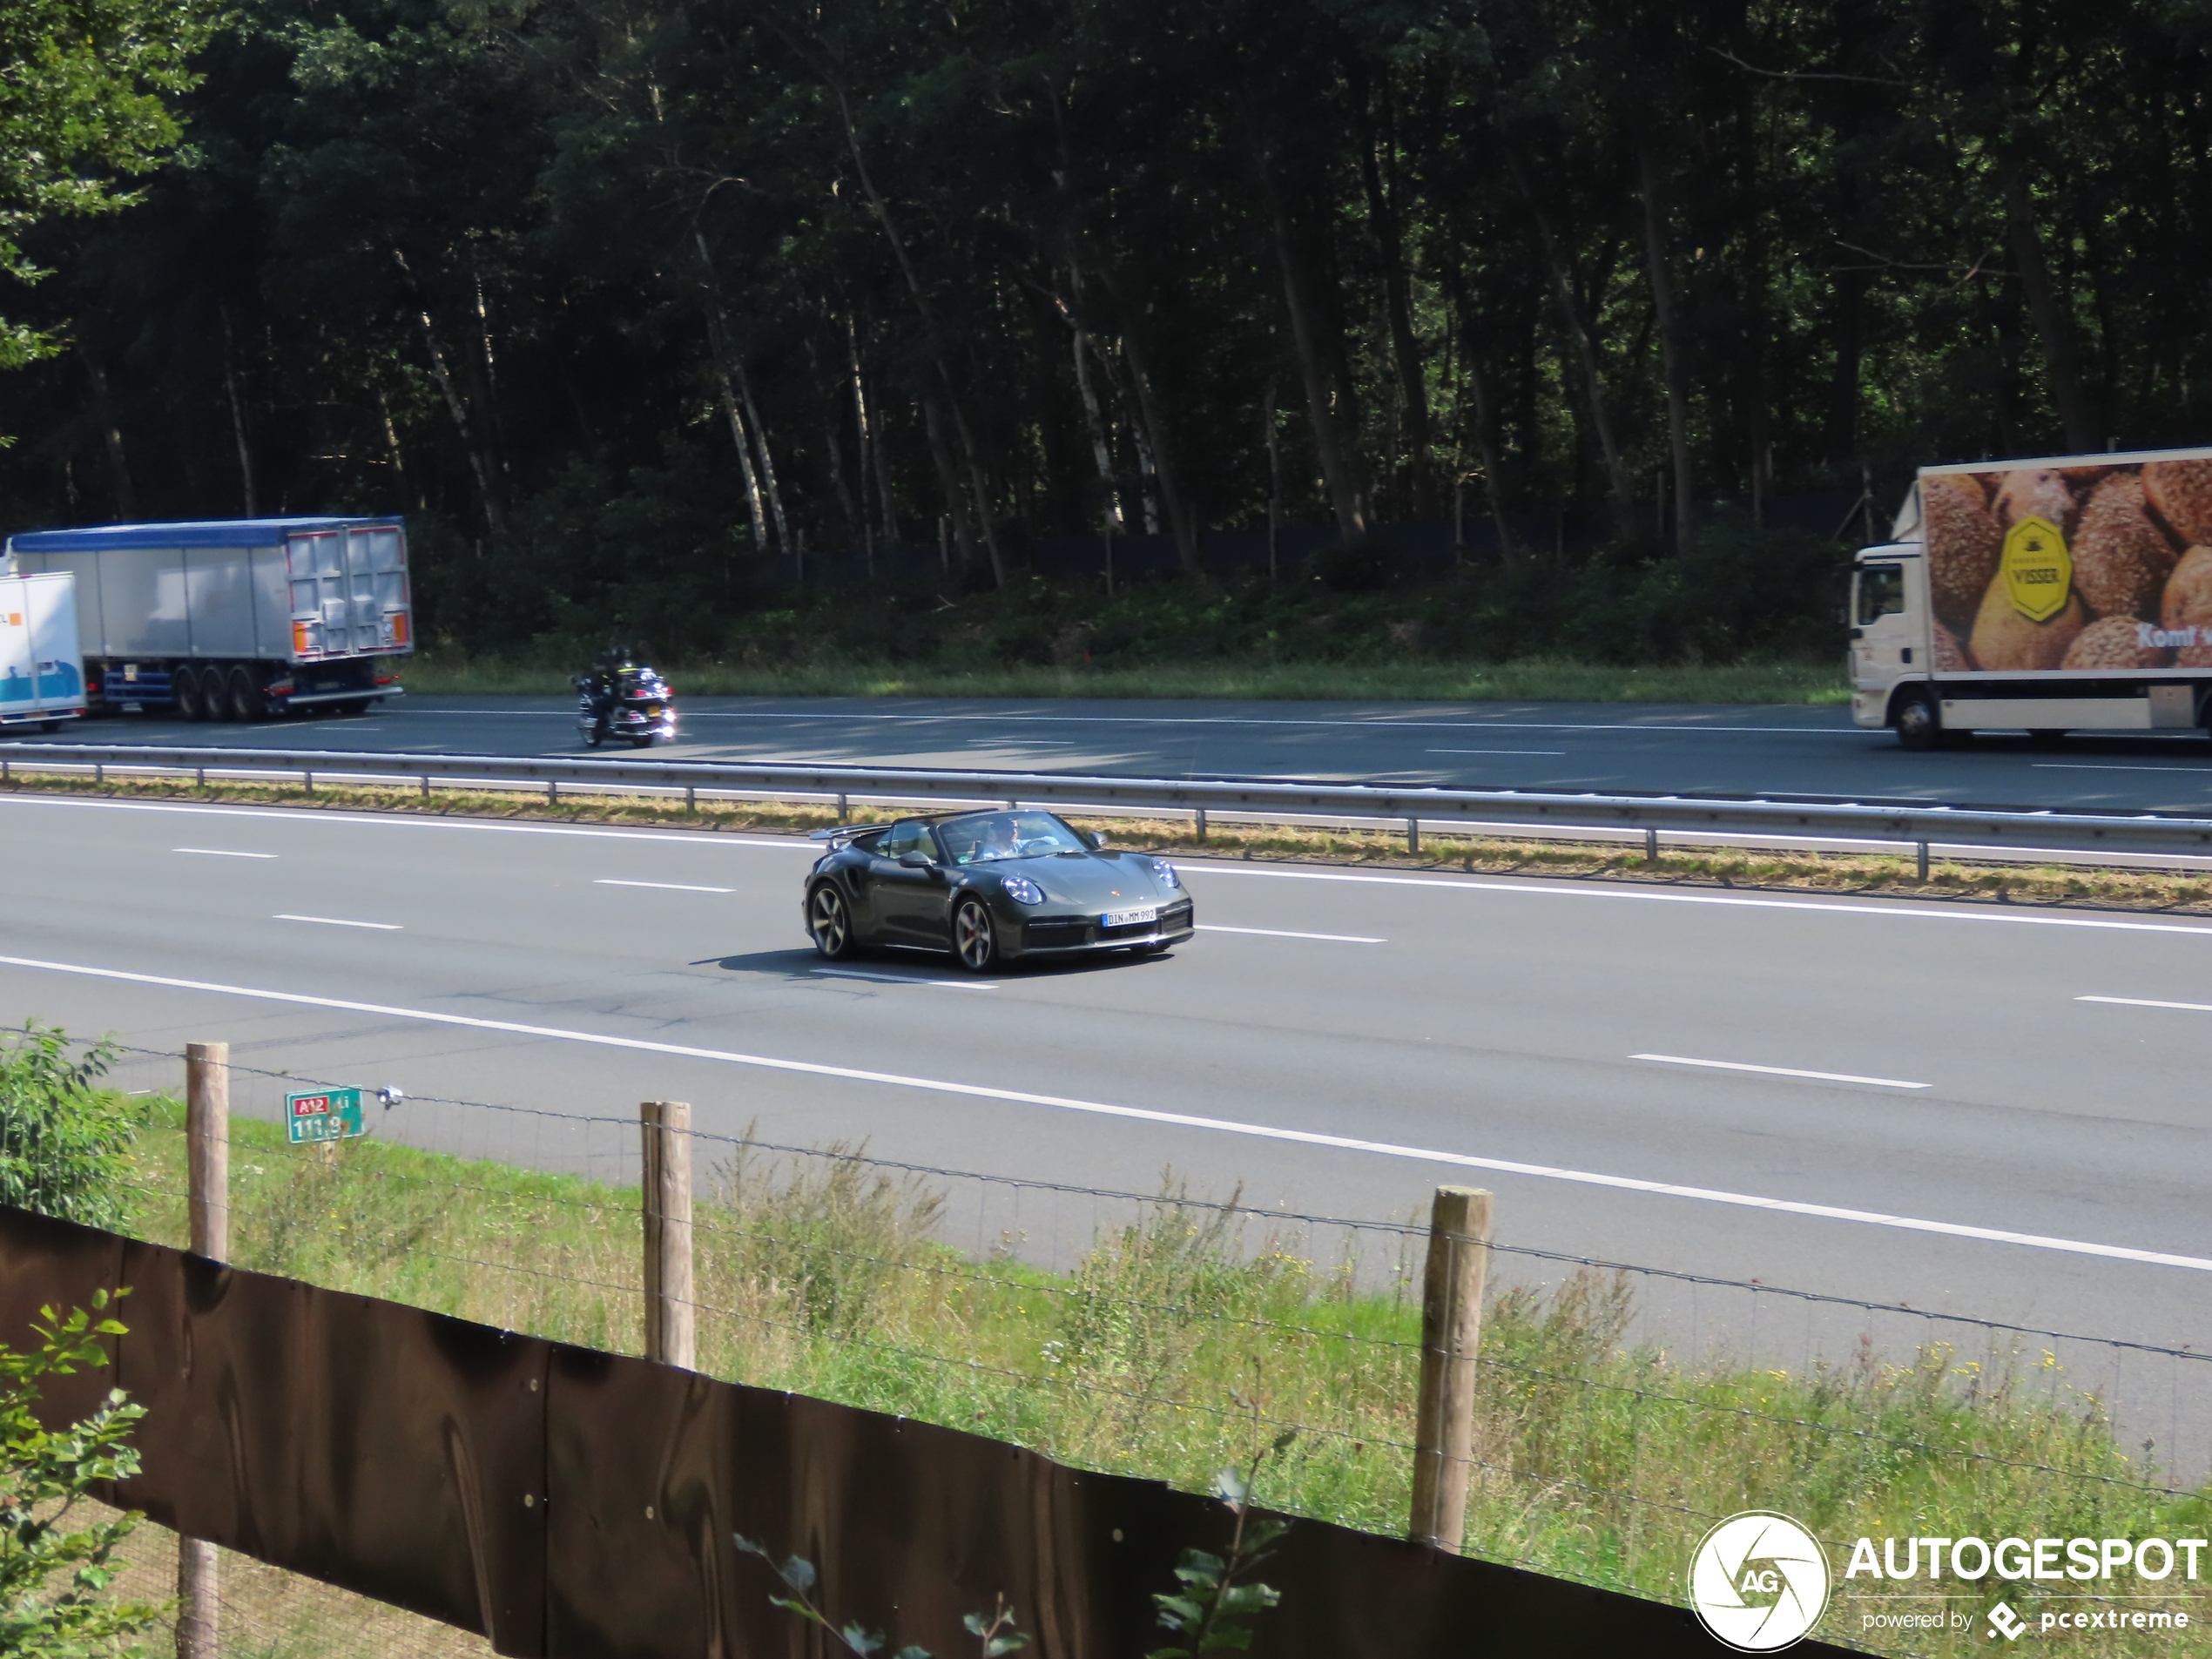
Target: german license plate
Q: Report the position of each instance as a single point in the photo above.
(1128, 917)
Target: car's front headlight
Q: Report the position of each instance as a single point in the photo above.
(1164, 873)
(1021, 890)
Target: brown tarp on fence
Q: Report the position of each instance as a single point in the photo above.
(577, 1505)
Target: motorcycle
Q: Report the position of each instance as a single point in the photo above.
(635, 704)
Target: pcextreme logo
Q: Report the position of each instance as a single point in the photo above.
(1759, 1582)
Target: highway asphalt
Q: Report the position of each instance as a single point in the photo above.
(1791, 750)
(1752, 1087)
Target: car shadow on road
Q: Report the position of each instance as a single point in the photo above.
(919, 965)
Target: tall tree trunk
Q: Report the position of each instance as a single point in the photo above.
(1339, 473)
(717, 346)
(959, 419)
(1094, 420)
(237, 420)
(1479, 389)
(118, 460)
(1180, 520)
(932, 421)
(767, 461)
(1578, 329)
(1398, 301)
(2054, 324)
(1670, 352)
(473, 444)
(869, 421)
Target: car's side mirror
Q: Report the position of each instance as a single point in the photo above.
(913, 860)
(1093, 838)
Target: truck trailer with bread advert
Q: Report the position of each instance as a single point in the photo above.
(2044, 596)
(233, 620)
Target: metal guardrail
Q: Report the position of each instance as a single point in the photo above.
(1914, 825)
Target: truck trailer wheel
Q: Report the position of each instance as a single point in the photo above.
(191, 699)
(248, 701)
(1917, 722)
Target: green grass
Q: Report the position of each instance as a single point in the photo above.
(1182, 1342)
(1529, 681)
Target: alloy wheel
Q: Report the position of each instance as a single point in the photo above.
(827, 922)
(975, 940)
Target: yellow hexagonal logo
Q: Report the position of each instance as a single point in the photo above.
(2037, 569)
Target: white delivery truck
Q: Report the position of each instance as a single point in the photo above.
(42, 678)
(2070, 594)
(233, 620)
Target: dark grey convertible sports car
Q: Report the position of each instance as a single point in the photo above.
(990, 886)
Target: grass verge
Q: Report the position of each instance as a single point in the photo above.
(1182, 1337)
(1893, 874)
(1534, 680)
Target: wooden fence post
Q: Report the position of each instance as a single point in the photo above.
(207, 1162)
(1459, 1263)
(671, 1324)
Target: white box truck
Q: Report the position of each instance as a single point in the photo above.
(233, 620)
(42, 678)
(2045, 597)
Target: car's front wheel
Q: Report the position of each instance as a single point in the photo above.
(830, 923)
(975, 937)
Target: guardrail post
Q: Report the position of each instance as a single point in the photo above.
(1457, 1266)
(842, 815)
(1412, 835)
(1199, 816)
(552, 792)
(426, 785)
(1650, 846)
(672, 1327)
(307, 776)
(690, 797)
(207, 1162)
(1921, 848)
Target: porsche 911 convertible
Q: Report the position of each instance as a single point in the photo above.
(990, 887)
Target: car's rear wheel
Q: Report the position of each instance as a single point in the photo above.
(830, 923)
(975, 936)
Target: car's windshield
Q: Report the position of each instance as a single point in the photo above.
(989, 836)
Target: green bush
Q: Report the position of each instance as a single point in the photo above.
(64, 1142)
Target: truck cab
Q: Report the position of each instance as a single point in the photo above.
(1888, 608)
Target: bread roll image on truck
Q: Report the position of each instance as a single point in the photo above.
(232, 619)
(2072, 594)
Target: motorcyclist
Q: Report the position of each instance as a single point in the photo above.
(601, 690)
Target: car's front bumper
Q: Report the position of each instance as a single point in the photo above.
(1074, 935)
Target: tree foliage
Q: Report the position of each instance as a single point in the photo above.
(83, 98)
(720, 287)
(54, 1580)
(64, 1141)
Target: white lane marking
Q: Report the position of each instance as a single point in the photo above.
(220, 853)
(671, 886)
(1780, 1071)
(1181, 1120)
(1277, 933)
(334, 921)
(841, 717)
(1497, 751)
(666, 838)
(2148, 1002)
(2086, 765)
(901, 979)
(1843, 906)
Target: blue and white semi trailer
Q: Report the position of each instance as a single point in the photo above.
(233, 620)
(42, 680)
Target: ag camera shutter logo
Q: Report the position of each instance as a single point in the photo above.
(1759, 1582)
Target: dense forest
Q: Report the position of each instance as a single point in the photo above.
(658, 297)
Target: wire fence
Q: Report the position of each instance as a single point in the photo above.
(1621, 1409)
